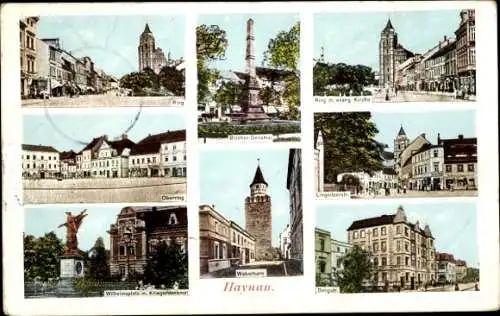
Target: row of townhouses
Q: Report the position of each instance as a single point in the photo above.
(47, 69)
(449, 66)
(159, 155)
(402, 253)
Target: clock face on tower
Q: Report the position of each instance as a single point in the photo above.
(78, 268)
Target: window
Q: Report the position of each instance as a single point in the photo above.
(470, 167)
(149, 160)
(154, 159)
(384, 261)
(398, 230)
(166, 159)
(407, 246)
(322, 244)
(398, 260)
(175, 158)
(382, 231)
(355, 235)
(27, 156)
(375, 246)
(375, 261)
(398, 245)
(375, 232)
(383, 246)
(407, 261)
(460, 168)
(362, 233)
(122, 251)
(436, 167)
(406, 231)
(448, 168)
(50, 157)
(216, 250)
(322, 266)
(184, 157)
(172, 220)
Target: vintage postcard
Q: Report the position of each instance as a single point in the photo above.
(105, 251)
(396, 154)
(395, 56)
(253, 228)
(389, 248)
(136, 157)
(95, 61)
(248, 87)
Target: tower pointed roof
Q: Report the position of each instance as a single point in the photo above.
(401, 131)
(259, 177)
(388, 26)
(146, 29)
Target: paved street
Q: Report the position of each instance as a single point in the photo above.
(403, 96)
(103, 100)
(416, 194)
(451, 288)
(273, 268)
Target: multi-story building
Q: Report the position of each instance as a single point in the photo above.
(323, 257)
(460, 162)
(427, 163)
(440, 68)
(466, 51)
(294, 186)
(137, 233)
(339, 249)
(285, 243)
(445, 270)
(402, 253)
(160, 155)
(40, 83)
(28, 53)
(39, 162)
(55, 66)
(460, 269)
(67, 161)
(319, 154)
(405, 173)
(220, 240)
(150, 56)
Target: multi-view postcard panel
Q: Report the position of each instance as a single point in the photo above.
(251, 216)
(248, 89)
(395, 56)
(136, 157)
(96, 61)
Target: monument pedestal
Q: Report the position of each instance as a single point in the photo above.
(71, 270)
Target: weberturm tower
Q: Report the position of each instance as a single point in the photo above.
(258, 218)
(250, 102)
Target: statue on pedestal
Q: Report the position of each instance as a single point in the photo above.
(72, 259)
(72, 224)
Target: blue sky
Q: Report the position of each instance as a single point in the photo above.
(266, 27)
(112, 41)
(448, 123)
(226, 176)
(39, 221)
(453, 225)
(353, 38)
(65, 132)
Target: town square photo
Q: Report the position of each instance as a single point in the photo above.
(248, 78)
(396, 154)
(105, 251)
(102, 158)
(251, 213)
(396, 248)
(395, 56)
(92, 61)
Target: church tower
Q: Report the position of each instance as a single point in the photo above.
(387, 45)
(146, 49)
(258, 218)
(400, 144)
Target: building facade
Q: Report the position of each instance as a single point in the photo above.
(323, 257)
(466, 51)
(285, 243)
(150, 56)
(242, 245)
(460, 269)
(339, 250)
(403, 254)
(427, 163)
(28, 53)
(446, 272)
(460, 163)
(137, 233)
(294, 186)
(39, 162)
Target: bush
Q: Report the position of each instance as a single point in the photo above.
(226, 129)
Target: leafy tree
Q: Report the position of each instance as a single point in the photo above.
(168, 265)
(349, 143)
(172, 79)
(137, 81)
(270, 96)
(42, 256)
(346, 77)
(228, 94)
(211, 44)
(357, 268)
(98, 261)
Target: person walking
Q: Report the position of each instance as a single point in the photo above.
(456, 287)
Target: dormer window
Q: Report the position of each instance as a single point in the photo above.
(173, 219)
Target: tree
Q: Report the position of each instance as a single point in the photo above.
(357, 268)
(345, 77)
(283, 53)
(98, 261)
(211, 44)
(172, 79)
(270, 96)
(168, 265)
(228, 94)
(349, 143)
(137, 81)
(42, 256)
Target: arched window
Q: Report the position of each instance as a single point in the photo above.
(173, 219)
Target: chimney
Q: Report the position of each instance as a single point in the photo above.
(213, 206)
(423, 135)
(105, 136)
(460, 136)
(445, 38)
(439, 139)
(124, 136)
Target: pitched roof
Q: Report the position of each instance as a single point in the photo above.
(373, 221)
(401, 131)
(48, 149)
(259, 177)
(146, 29)
(387, 155)
(388, 171)
(152, 143)
(95, 143)
(67, 155)
(460, 150)
(121, 144)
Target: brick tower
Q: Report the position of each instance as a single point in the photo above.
(258, 216)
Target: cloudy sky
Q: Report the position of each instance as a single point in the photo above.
(453, 225)
(65, 132)
(266, 27)
(353, 38)
(226, 176)
(112, 41)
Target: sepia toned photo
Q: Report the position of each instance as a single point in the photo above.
(95, 61)
(90, 159)
(389, 154)
(105, 251)
(248, 78)
(252, 228)
(388, 248)
(398, 56)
